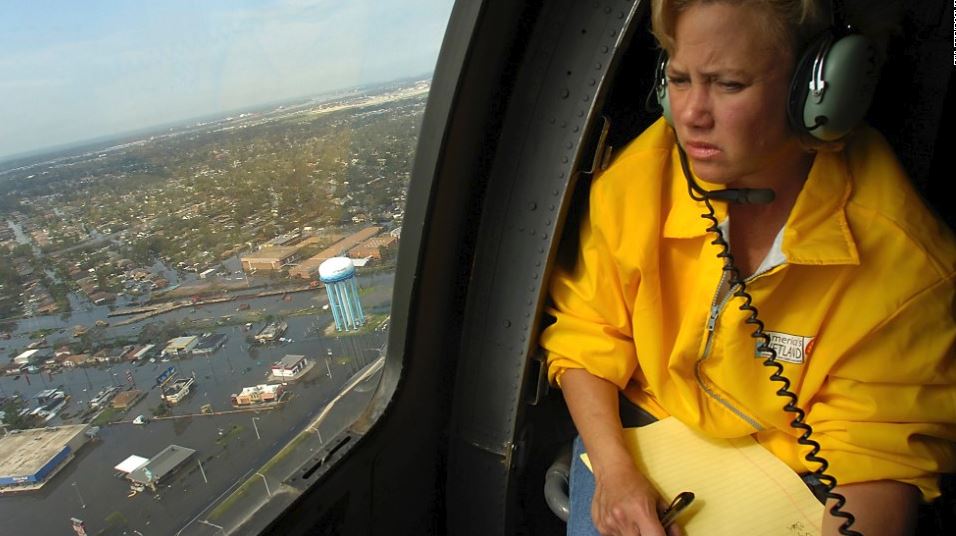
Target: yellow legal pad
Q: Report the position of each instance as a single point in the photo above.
(740, 487)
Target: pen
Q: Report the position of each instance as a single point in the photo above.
(678, 505)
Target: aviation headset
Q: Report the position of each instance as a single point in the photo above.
(832, 85)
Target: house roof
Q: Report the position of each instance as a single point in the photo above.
(131, 464)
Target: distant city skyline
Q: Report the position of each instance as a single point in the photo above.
(80, 71)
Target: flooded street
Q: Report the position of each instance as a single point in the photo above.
(227, 443)
(237, 362)
(227, 446)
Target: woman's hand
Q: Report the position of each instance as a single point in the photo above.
(626, 504)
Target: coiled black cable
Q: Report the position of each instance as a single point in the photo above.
(737, 282)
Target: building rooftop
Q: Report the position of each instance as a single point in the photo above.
(308, 267)
(290, 360)
(28, 354)
(272, 330)
(181, 341)
(131, 464)
(177, 385)
(271, 254)
(281, 240)
(212, 341)
(144, 350)
(376, 241)
(264, 388)
(161, 464)
(25, 452)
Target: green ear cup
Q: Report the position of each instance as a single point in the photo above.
(833, 86)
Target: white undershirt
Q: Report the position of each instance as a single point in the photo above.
(775, 256)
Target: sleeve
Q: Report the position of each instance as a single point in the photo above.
(592, 328)
(888, 410)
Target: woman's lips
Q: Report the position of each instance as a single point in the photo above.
(700, 151)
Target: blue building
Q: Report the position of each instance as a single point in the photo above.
(28, 458)
(338, 274)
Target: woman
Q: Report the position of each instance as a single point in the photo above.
(845, 259)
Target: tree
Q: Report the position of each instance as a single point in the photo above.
(12, 418)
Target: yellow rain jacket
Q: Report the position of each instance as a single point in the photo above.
(858, 298)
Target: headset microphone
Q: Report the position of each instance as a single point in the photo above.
(740, 196)
(743, 196)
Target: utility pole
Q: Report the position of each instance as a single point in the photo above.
(82, 502)
(201, 470)
(89, 383)
(266, 482)
(204, 522)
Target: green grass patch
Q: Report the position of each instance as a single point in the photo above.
(284, 452)
(230, 435)
(114, 523)
(372, 322)
(161, 410)
(41, 333)
(305, 311)
(117, 519)
(228, 502)
(107, 416)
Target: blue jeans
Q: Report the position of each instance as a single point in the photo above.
(581, 480)
(580, 492)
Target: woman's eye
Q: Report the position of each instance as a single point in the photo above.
(730, 86)
(676, 80)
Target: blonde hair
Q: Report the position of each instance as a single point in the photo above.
(792, 22)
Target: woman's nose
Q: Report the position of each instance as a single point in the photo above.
(697, 112)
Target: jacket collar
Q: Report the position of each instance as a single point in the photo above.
(816, 231)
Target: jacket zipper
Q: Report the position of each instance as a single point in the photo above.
(715, 310)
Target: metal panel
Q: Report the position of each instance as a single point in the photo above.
(548, 126)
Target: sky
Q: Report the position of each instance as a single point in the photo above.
(72, 71)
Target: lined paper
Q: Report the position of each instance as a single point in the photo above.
(740, 487)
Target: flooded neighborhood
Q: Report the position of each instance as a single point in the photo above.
(174, 353)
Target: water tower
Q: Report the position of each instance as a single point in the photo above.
(338, 274)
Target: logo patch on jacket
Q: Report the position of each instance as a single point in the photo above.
(789, 348)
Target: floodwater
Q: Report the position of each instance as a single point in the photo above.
(230, 365)
(227, 445)
(228, 448)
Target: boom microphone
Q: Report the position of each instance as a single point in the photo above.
(741, 196)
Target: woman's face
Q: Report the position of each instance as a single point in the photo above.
(727, 82)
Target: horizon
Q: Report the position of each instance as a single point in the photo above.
(72, 149)
(81, 74)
